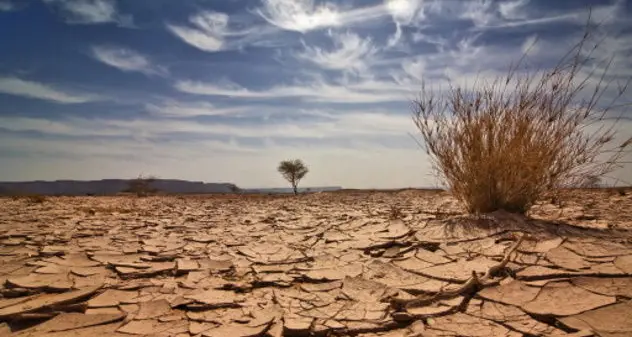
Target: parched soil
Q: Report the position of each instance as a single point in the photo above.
(403, 263)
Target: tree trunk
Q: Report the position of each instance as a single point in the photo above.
(295, 189)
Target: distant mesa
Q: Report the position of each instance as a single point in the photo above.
(118, 186)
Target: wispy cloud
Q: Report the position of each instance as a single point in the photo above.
(19, 87)
(89, 11)
(405, 11)
(6, 5)
(173, 108)
(350, 52)
(327, 125)
(307, 15)
(211, 31)
(207, 33)
(300, 15)
(126, 60)
(360, 91)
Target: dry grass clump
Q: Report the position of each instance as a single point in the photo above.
(502, 145)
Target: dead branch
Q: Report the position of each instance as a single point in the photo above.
(472, 285)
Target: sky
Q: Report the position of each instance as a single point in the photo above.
(222, 90)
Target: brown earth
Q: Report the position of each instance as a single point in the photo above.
(402, 263)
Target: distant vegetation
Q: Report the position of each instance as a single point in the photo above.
(141, 186)
(505, 144)
(293, 171)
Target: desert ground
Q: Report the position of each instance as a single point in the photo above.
(350, 263)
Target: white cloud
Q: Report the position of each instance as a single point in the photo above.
(208, 33)
(336, 125)
(513, 10)
(171, 108)
(76, 127)
(300, 15)
(362, 91)
(351, 52)
(211, 31)
(307, 15)
(6, 5)
(89, 11)
(328, 125)
(126, 60)
(404, 11)
(19, 87)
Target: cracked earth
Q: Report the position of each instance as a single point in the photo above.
(405, 263)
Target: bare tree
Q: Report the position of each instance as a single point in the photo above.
(293, 171)
(504, 144)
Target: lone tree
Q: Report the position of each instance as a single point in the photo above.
(293, 171)
(504, 144)
(141, 186)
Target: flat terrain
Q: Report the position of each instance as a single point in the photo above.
(403, 263)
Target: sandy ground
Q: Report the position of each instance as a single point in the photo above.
(404, 263)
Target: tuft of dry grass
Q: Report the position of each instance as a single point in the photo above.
(505, 144)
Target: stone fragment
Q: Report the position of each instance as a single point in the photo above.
(184, 266)
(624, 263)
(567, 259)
(458, 271)
(515, 293)
(108, 310)
(54, 282)
(153, 309)
(325, 286)
(612, 320)
(111, 298)
(565, 299)
(540, 246)
(296, 324)
(216, 298)
(598, 249)
(47, 300)
(197, 327)
(235, 330)
(461, 324)
(512, 317)
(73, 320)
(606, 286)
(540, 272)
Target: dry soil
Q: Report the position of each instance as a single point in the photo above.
(405, 263)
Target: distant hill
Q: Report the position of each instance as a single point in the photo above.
(289, 190)
(110, 187)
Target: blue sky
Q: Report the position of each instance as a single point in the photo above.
(222, 90)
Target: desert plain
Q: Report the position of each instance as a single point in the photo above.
(348, 263)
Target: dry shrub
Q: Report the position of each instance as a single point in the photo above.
(506, 143)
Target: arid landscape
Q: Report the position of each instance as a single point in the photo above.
(348, 263)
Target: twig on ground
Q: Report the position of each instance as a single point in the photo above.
(473, 284)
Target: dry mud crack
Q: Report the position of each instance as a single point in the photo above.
(330, 264)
